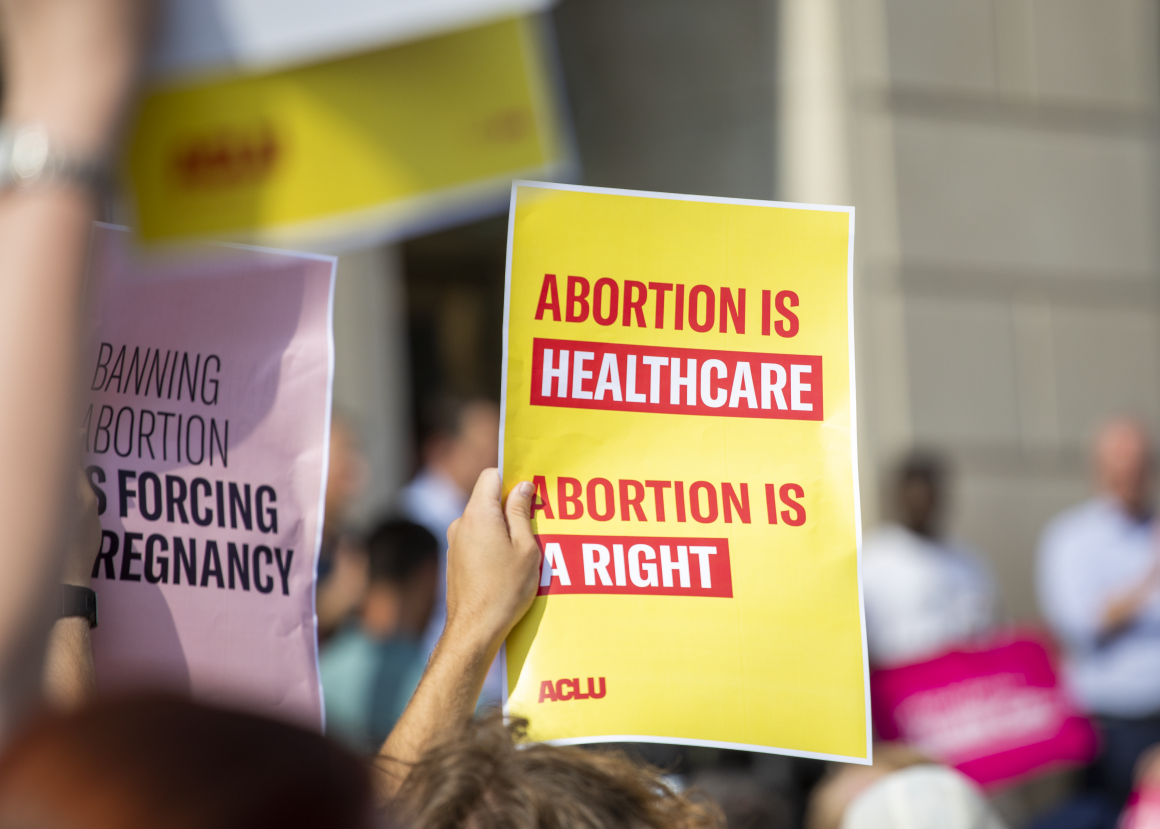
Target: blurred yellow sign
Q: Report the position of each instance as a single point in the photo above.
(363, 147)
(680, 389)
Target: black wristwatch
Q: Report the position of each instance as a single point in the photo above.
(78, 601)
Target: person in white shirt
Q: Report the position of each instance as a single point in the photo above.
(1099, 588)
(922, 593)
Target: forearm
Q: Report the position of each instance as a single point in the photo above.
(70, 65)
(492, 573)
(69, 673)
(1121, 610)
(68, 68)
(444, 701)
(43, 238)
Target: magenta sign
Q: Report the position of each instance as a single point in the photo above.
(995, 711)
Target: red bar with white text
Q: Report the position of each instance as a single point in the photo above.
(697, 381)
(633, 565)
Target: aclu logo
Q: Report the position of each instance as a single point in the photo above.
(563, 690)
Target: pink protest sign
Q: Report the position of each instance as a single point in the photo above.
(205, 433)
(996, 712)
(1142, 810)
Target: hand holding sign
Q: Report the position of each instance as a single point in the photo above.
(492, 562)
(492, 569)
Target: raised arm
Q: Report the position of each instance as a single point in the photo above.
(492, 570)
(1121, 609)
(70, 677)
(68, 68)
(1073, 593)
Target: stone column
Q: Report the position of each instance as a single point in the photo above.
(371, 379)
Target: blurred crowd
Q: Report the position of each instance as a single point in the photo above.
(411, 614)
(925, 595)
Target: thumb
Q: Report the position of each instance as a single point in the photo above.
(486, 493)
(519, 514)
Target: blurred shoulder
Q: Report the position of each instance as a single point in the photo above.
(1075, 524)
(890, 541)
(968, 557)
(891, 553)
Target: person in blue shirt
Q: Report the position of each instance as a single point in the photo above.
(371, 667)
(1099, 589)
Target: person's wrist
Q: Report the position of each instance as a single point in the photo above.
(80, 103)
(84, 132)
(78, 573)
(78, 602)
(76, 625)
(73, 69)
(473, 637)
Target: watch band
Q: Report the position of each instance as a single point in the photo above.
(78, 601)
(29, 159)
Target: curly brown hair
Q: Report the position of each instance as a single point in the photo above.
(489, 777)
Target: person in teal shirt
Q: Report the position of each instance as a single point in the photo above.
(371, 666)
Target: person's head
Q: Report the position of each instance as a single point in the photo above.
(346, 474)
(921, 797)
(158, 762)
(1123, 461)
(403, 567)
(844, 784)
(481, 779)
(921, 479)
(460, 438)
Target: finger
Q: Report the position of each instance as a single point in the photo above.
(519, 501)
(88, 498)
(487, 491)
(519, 515)
(451, 532)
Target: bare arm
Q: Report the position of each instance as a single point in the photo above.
(70, 677)
(492, 568)
(68, 66)
(1121, 609)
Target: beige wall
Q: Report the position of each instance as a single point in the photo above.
(1001, 155)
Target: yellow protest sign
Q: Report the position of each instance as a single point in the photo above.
(365, 146)
(679, 385)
